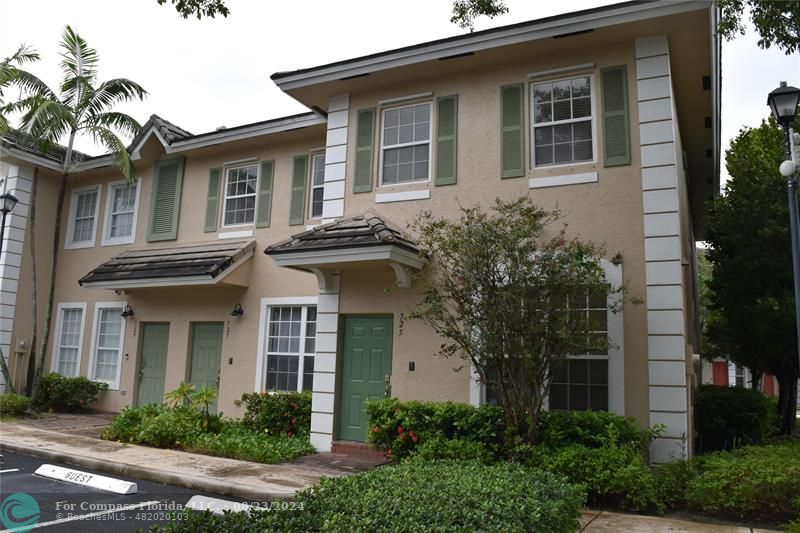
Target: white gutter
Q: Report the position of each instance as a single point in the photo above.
(495, 39)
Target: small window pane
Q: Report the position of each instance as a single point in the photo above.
(544, 155)
(581, 107)
(542, 92)
(578, 397)
(562, 110)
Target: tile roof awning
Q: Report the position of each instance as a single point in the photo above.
(213, 263)
(366, 238)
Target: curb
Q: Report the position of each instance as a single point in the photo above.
(198, 483)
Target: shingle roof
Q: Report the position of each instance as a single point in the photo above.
(368, 229)
(168, 131)
(202, 259)
(54, 152)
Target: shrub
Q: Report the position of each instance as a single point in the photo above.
(672, 480)
(419, 496)
(728, 417)
(591, 429)
(238, 442)
(279, 413)
(398, 427)
(66, 395)
(13, 404)
(126, 425)
(170, 428)
(440, 448)
(754, 482)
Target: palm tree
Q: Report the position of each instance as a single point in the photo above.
(80, 107)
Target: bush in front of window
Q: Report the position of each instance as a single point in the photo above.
(278, 413)
(62, 394)
(728, 417)
(590, 429)
(13, 404)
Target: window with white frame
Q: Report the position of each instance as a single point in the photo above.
(562, 121)
(121, 211)
(317, 184)
(109, 335)
(581, 381)
(406, 144)
(291, 344)
(69, 339)
(83, 217)
(241, 184)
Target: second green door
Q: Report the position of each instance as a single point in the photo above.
(152, 363)
(206, 354)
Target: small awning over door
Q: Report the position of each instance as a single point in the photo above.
(210, 263)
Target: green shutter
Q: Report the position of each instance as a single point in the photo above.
(165, 202)
(512, 137)
(297, 207)
(616, 124)
(446, 140)
(365, 146)
(265, 194)
(212, 203)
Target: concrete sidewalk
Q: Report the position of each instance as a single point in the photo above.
(594, 521)
(241, 479)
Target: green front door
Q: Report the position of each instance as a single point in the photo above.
(366, 364)
(152, 363)
(206, 354)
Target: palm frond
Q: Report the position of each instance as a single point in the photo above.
(24, 54)
(115, 146)
(45, 120)
(122, 123)
(31, 84)
(110, 93)
(78, 65)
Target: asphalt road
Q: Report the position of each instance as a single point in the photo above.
(67, 505)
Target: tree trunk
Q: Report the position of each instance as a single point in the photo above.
(34, 266)
(755, 379)
(48, 317)
(787, 400)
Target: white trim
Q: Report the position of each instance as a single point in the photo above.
(69, 244)
(239, 161)
(566, 179)
(518, 33)
(407, 98)
(235, 234)
(55, 356)
(561, 70)
(403, 196)
(306, 259)
(99, 306)
(383, 146)
(168, 282)
(616, 335)
(226, 170)
(532, 124)
(109, 241)
(263, 315)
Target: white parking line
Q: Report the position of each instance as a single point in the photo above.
(120, 509)
(9, 470)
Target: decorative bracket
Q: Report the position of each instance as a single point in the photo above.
(403, 275)
(324, 279)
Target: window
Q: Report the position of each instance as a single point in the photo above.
(740, 377)
(581, 382)
(562, 122)
(291, 344)
(317, 184)
(108, 337)
(240, 195)
(83, 217)
(121, 211)
(69, 339)
(406, 144)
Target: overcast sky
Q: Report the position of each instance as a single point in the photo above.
(214, 72)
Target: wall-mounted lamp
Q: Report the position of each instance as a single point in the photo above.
(237, 310)
(128, 311)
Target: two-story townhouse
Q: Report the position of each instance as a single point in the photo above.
(259, 257)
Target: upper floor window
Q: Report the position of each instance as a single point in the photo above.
(562, 122)
(406, 144)
(83, 217)
(241, 184)
(121, 211)
(317, 184)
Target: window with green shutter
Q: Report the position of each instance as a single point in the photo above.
(212, 202)
(165, 200)
(365, 147)
(446, 140)
(512, 138)
(616, 123)
(562, 121)
(297, 204)
(264, 209)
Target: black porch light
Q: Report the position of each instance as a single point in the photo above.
(128, 311)
(237, 310)
(7, 203)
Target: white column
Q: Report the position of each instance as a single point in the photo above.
(323, 393)
(666, 334)
(18, 182)
(335, 158)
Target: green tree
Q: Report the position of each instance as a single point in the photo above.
(751, 316)
(498, 294)
(80, 107)
(198, 8)
(12, 75)
(776, 21)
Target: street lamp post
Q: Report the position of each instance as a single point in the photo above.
(783, 103)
